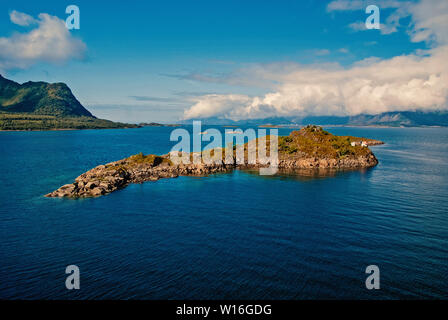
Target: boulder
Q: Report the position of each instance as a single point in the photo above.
(97, 192)
(90, 185)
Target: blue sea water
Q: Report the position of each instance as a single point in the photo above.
(235, 235)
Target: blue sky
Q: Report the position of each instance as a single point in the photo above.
(150, 60)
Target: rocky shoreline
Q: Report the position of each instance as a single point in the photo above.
(110, 177)
(105, 179)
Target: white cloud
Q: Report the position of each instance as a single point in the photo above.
(50, 42)
(387, 28)
(21, 19)
(401, 83)
(409, 82)
(351, 5)
(322, 52)
(384, 28)
(401, 9)
(216, 104)
(430, 19)
(358, 26)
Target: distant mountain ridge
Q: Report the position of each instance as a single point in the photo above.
(392, 119)
(42, 98)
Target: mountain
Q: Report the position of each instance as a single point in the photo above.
(45, 106)
(41, 98)
(392, 119)
(403, 118)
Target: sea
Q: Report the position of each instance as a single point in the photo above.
(236, 235)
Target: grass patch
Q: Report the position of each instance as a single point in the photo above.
(313, 141)
(151, 159)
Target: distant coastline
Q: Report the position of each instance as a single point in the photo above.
(352, 126)
(10, 121)
(156, 124)
(437, 118)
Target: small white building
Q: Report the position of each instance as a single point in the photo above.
(353, 143)
(363, 144)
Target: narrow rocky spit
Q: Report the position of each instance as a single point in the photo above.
(110, 177)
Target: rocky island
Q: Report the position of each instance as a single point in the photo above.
(309, 148)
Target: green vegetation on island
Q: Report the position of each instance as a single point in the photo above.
(313, 141)
(31, 121)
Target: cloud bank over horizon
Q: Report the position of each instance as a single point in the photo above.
(49, 41)
(417, 81)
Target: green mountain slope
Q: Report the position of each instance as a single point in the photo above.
(41, 98)
(45, 106)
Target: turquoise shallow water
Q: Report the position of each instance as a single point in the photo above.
(235, 235)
